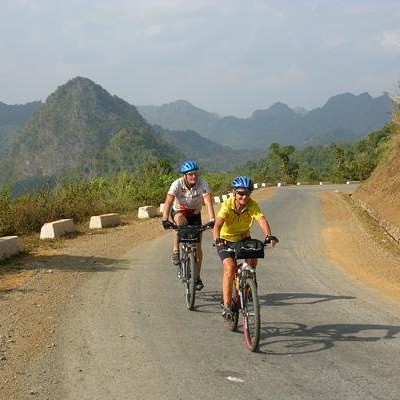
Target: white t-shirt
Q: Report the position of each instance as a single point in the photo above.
(188, 201)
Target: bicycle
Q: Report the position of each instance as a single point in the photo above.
(244, 292)
(188, 237)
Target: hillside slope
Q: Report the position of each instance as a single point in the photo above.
(209, 154)
(380, 194)
(81, 128)
(13, 117)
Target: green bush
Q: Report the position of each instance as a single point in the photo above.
(6, 226)
(81, 199)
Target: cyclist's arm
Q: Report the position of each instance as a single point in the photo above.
(264, 225)
(169, 200)
(209, 205)
(217, 227)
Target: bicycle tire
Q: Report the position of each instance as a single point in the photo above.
(190, 284)
(251, 315)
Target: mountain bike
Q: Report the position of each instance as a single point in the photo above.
(188, 237)
(244, 292)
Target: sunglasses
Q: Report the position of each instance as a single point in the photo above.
(243, 193)
(192, 173)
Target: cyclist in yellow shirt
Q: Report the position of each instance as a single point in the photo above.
(233, 223)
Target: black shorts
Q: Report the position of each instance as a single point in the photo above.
(229, 250)
(194, 219)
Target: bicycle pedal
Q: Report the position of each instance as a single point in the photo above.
(227, 314)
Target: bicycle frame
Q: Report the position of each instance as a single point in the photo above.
(189, 237)
(245, 300)
(186, 250)
(244, 271)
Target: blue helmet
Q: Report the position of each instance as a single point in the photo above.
(243, 182)
(188, 166)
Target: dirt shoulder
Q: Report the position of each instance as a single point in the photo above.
(35, 288)
(360, 246)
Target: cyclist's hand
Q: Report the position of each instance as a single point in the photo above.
(220, 243)
(167, 224)
(210, 224)
(269, 239)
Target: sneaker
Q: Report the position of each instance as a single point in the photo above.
(199, 284)
(175, 258)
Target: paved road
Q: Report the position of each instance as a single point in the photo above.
(128, 335)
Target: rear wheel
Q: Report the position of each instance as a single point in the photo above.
(251, 315)
(190, 283)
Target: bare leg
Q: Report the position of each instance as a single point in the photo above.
(180, 220)
(229, 265)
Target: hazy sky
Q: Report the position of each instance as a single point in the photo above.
(226, 56)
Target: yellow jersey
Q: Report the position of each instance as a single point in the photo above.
(237, 225)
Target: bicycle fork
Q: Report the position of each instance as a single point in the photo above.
(184, 270)
(242, 287)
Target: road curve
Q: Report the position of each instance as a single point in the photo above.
(128, 335)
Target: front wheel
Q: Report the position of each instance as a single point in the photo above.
(190, 282)
(251, 315)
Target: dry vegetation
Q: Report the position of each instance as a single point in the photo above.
(381, 192)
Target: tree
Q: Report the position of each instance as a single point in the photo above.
(339, 172)
(280, 161)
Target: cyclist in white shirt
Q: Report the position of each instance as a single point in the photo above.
(183, 203)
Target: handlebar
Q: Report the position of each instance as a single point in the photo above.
(191, 228)
(266, 241)
(190, 233)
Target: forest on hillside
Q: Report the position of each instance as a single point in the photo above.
(78, 198)
(335, 163)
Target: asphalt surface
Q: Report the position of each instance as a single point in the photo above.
(128, 334)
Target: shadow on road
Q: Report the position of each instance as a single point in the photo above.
(207, 301)
(279, 338)
(274, 299)
(288, 299)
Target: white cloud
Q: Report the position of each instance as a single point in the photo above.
(228, 55)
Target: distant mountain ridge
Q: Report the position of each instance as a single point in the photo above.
(344, 116)
(177, 114)
(14, 117)
(207, 153)
(82, 128)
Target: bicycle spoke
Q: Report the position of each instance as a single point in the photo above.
(251, 315)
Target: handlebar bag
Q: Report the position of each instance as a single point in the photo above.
(249, 248)
(189, 234)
